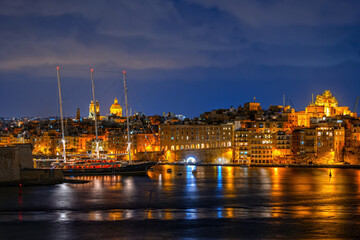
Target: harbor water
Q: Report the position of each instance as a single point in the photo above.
(210, 203)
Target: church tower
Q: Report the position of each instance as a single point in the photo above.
(77, 115)
(92, 110)
(116, 109)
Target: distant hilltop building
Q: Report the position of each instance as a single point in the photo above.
(116, 109)
(92, 109)
(326, 104)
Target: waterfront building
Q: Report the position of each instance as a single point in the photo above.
(241, 146)
(117, 142)
(261, 147)
(47, 143)
(6, 139)
(282, 145)
(205, 143)
(147, 142)
(319, 144)
(91, 146)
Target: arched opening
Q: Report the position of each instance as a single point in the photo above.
(191, 160)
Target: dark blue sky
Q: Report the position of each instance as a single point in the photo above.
(186, 56)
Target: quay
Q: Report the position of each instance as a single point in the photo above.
(349, 166)
(17, 168)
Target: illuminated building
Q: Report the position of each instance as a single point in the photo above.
(304, 143)
(207, 143)
(241, 146)
(303, 119)
(268, 126)
(83, 139)
(5, 139)
(117, 142)
(322, 144)
(116, 109)
(72, 144)
(261, 147)
(46, 143)
(292, 118)
(92, 110)
(355, 133)
(327, 105)
(325, 145)
(147, 143)
(252, 106)
(282, 144)
(339, 144)
(91, 146)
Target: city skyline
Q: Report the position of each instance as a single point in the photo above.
(179, 119)
(203, 54)
(105, 109)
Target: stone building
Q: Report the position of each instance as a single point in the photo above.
(116, 109)
(92, 108)
(16, 166)
(261, 147)
(241, 146)
(204, 143)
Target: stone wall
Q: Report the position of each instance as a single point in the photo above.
(9, 164)
(41, 176)
(16, 165)
(24, 154)
(219, 155)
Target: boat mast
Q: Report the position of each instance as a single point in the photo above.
(127, 117)
(61, 115)
(95, 113)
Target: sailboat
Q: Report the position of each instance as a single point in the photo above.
(98, 165)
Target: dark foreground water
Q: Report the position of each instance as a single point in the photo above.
(215, 202)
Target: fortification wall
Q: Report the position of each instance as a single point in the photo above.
(16, 165)
(9, 164)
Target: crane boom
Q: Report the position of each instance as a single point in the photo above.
(356, 104)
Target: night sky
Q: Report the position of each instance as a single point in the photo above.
(185, 57)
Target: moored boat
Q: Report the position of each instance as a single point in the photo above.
(137, 168)
(100, 165)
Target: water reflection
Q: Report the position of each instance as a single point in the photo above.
(219, 178)
(282, 194)
(191, 181)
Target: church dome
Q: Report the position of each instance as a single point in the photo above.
(116, 109)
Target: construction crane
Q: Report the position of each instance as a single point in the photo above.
(356, 104)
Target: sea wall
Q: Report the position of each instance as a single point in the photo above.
(41, 176)
(9, 165)
(16, 166)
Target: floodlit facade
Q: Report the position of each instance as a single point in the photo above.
(116, 109)
(92, 110)
(206, 143)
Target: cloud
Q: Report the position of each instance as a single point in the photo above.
(259, 13)
(161, 34)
